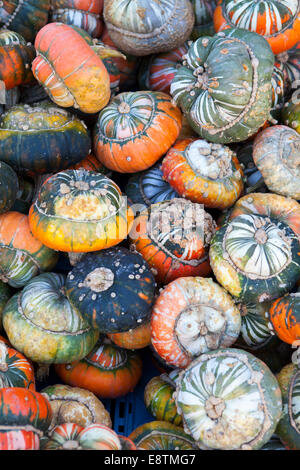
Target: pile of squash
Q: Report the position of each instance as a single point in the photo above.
(152, 148)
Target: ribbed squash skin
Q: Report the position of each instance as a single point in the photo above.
(82, 13)
(284, 314)
(160, 435)
(159, 400)
(204, 12)
(15, 369)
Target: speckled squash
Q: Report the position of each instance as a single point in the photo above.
(288, 428)
(25, 416)
(16, 59)
(202, 172)
(80, 211)
(229, 400)
(224, 87)
(80, 80)
(255, 329)
(148, 187)
(291, 113)
(256, 258)
(137, 338)
(42, 138)
(143, 27)
(70, 436)
(24, 17)
(5, 294)
(22, 255)
(9, 186)
(173, 237)
(135, 130)
(160, 435)
(157, 71)
(85, 14)
(284, 315)
(276, 153)
(108, 371)
(159, 400)
(277, 21)
(15, 369)
(40, 322)
(113, 289)
(75, 405)
(191, 316)
(204, 12)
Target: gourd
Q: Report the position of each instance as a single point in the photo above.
(224, 86)
(276, 153)
(291, 114)
(22, 255)
(228, 400)
(91, 163)
(108, 371)
(113, 289)
(135, 130)
(173, 238)
(80, 211)
(255, 329)
(40, 322)
(80, 80)
(203, 172)
(191, 316)
(278, 22)
(289, 63)
(15, 369)
(42, 138)
(9, 186)
(75, 405)
(204, 12)
(136, 338)
(5, 294)
(284, 315)
(143, 27)
(255, 257)
(160, 435)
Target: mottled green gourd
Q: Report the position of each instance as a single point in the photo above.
(159, 400)
(224, 86)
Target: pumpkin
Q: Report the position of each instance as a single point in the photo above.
(5, 294)
(113, 289)
(143, 27)
(135, 130)
(228, 400)
(82, 13)
(291, 114)
(159, 400)
(40, 322)
(224, 86)
(16, 58)
(284, 315)
(278, 22)
(191, 316)
(271, 205)
(25, 416)
(80, 80)
(24, 17)
(42, 138)
(75, 405)
(22, 255)
(256, 258)
(136, 338)
(203, 172)
(255, 324)
(289, 63)
(276, 153)
(160, 435)
(204, 12)
(108, 371)
(15, 369)
(149, 187)
(91, 163)
(80, 211)
(288, 426)
(278, 89)
(173, 237)
(157, 71)
(9, 186)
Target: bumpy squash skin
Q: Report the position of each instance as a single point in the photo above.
(160, 435)
(113, 289)
(80, 211)
(80, 80)
(9, 186)
(42, 138)
(159, 400)
(207, 100)
(108, 371)
(22, 255)
(291, 114)
(284, 315)
(288, 426)
(54, 333)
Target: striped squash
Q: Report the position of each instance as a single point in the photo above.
(22, 255)
(229, 400)
(40, 322)
(254, 328)
(284, 315)
(289, 64)
(224, 86)
(256, 258)
(204, 13)
(160, 435)
(277, 21)
(15, 369)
